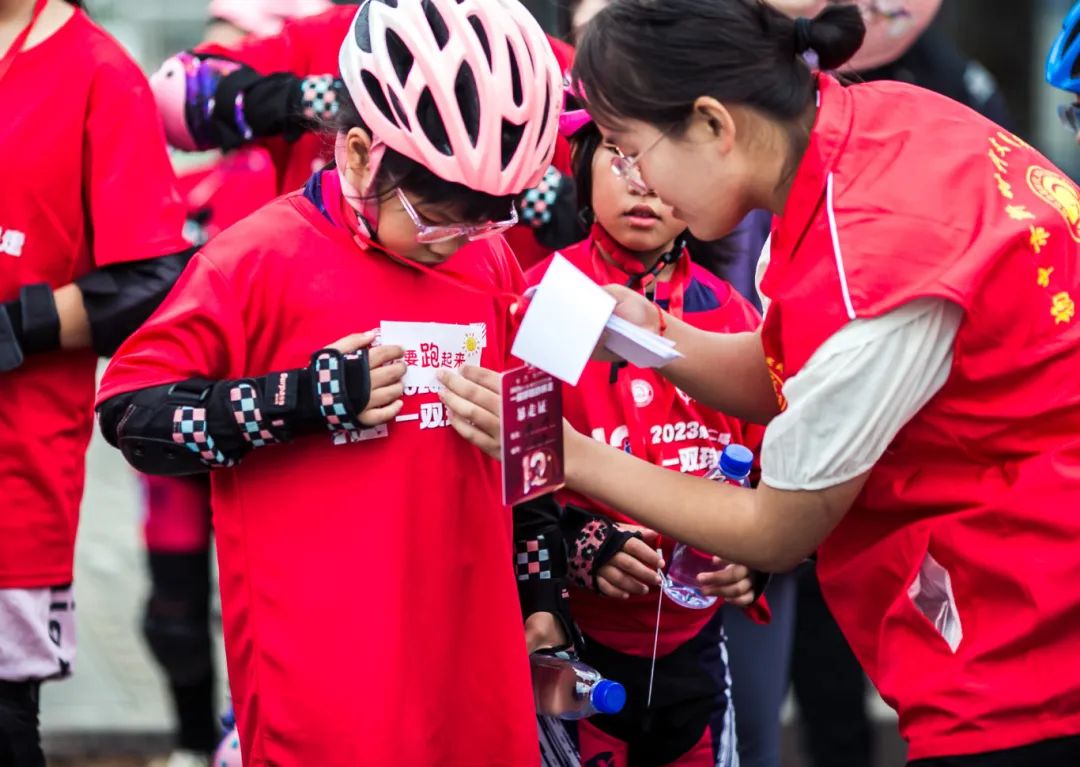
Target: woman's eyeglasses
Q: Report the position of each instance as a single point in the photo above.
(626, 166)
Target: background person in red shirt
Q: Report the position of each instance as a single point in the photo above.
(916, 366)
(369, 604)
(176, 520)
(90, 242)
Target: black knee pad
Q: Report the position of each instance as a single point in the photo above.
(179, 638)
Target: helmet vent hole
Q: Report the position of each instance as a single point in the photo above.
(400, 56)
(468, 99)
(515, 78)
(544, 116)
(431, 122)
(511, 140)
(481, 35)
(375, 91)
(399, 110)
(437, 24)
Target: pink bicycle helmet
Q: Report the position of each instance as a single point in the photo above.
(470, 89)
(264, 17)
(892, 26)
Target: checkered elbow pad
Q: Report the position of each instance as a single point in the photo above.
(536, 203)
(189, 430)
(330, 391)
(533, 560)
(318, 98)
(244, 400)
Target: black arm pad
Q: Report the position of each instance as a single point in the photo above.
(28, 325)
(226, 132)
(272, 106)
(140, 424)
(192, 426)
(11, 355)
(540, 562)
(121, 297)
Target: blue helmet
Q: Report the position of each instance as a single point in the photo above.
(1062, 69)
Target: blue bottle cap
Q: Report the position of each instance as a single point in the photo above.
(736, 461)
(608, 697)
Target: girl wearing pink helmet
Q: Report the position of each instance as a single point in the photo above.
(369, 611)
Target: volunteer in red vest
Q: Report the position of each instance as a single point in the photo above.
(916, 368)
(90, 242)
(369, 604)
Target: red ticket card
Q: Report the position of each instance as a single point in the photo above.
(532, 434)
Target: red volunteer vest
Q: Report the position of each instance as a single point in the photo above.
(904, 194)
(645, 415)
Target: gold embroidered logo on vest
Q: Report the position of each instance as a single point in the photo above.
(1062, 308)
(1058, 192)
(776, 374)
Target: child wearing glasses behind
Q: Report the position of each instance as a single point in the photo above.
(635, 240)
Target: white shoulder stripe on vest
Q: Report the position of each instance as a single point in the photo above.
(836, 247)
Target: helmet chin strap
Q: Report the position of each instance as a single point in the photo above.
(365, 205)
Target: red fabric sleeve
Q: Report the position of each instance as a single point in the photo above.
(197, 333)
(301, 47)
(133, 207)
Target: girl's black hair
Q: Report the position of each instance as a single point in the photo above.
(649, 60)
(397, 170)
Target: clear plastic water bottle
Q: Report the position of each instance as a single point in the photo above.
(680, 581)
(569, 689)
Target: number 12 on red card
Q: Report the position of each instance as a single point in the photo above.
(532, 434)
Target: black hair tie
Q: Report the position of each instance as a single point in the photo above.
(803, 35)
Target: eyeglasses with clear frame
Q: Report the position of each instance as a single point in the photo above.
(429, 233)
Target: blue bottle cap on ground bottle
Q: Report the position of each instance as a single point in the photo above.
(736, 461)
(608, 697)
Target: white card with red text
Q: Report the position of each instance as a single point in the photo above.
(433, 346)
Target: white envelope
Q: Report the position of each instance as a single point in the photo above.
(564, 321)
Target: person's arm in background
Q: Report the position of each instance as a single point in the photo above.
(223, 97)
(135, 219)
